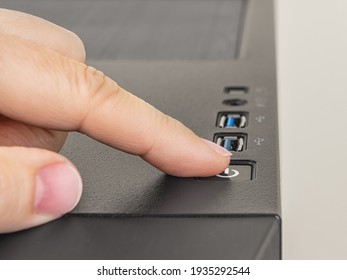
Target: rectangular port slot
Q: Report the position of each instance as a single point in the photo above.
(236, 90)
(233, 142)
(232, 120)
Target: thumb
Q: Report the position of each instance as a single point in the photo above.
(36, 186)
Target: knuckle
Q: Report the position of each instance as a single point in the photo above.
(94, 80)
(93, 88)
(90, 82)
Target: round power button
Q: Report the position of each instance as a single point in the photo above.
(229, 173)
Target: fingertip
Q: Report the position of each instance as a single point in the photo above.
(188, 155)
(218, 149)
(52, 36)
(213, 160)
(220, 161)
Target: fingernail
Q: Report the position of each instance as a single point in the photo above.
(58, 189)
(220, 150)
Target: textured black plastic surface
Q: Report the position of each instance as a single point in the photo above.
(146, 29)
(147, 238)
(241, 219)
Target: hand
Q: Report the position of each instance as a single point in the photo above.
(46, 90)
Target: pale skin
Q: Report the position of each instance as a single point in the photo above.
(46, 90)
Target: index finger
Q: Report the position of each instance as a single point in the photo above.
(56, 92)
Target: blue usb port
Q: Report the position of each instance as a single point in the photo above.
(232, 120)
(231, 142)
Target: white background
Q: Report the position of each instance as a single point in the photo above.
(88, 270)
(312, 85)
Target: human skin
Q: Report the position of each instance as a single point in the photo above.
(46, 90)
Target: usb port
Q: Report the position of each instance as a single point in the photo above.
(231, 142)
(235, 90)
(232, 120)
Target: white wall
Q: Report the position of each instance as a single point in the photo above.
(312, 76)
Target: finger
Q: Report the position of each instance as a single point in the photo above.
(63, 41)
(73, 96)
(36, 186)
(14, 133)
(50, 35)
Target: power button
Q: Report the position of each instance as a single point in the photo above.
(239, 170)
(237, 173)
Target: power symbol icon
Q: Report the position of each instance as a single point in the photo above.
(238, 170)
(229, 173)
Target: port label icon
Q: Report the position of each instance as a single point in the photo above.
(260, 119)
(259, 141)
